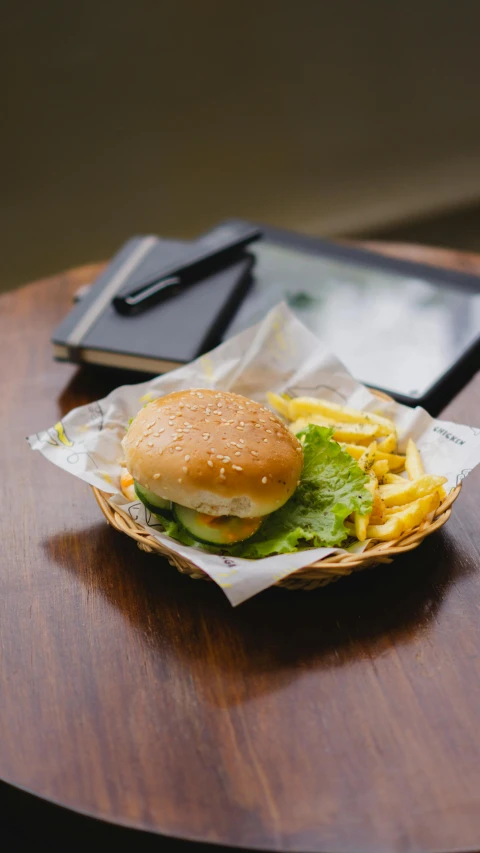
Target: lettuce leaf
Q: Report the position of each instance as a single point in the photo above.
(331, 487)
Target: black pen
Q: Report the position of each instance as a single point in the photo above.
(214, 251)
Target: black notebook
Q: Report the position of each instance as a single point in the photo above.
(406, 328)
(166, 335)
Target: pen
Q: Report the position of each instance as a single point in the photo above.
(215, 250)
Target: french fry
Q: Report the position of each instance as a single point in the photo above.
(305, 406)
(355, 450)
(380, 467)
(413, 462)
(414, 513)
(393, 478)
(356, 433)
(368, 457)
(403, 510)
(361, 521)
(378, 515)
(395, 462)
(360, 526)
(391, 529)
(279, 403)
(397, 494)
(389, 443)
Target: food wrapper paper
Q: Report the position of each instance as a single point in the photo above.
(279, 354)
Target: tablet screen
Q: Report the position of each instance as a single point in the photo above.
(393, 332)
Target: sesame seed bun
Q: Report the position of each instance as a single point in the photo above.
(214, 451)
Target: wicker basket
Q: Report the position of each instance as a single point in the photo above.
(316, 574)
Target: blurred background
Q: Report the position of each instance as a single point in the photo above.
(164, 116)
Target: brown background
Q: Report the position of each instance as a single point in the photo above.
(332, 117)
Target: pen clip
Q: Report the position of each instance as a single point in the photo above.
(140, 298)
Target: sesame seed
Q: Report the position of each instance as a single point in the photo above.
(187, 457)
(237, 468)
(207, 411)
(264, 480)
(152, 424)
(219, 405)
(279, 434)
(226, 459)
(239, 428)
(298, 449)
(254, 453)
(262, 420)
(194, 408)
(210, 463)
(219, 456)
(137, 442)
(200, 395)
(161, 451)
(237, 453)
(156, 476)
(241, 441)
(178, 447)
(269, 431)
(179, 480)
(206, 436)
(242, 423)
(184, 469)
(212, 450)
(181, 405)
(257, 426)
(150, 443)
(266, 440)
(222, 470)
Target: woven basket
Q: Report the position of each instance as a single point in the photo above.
(316, 574)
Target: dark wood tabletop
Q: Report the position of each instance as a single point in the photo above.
(345, 719)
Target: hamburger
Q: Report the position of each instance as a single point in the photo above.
(221, 463)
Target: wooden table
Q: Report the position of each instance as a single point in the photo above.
(345, 719)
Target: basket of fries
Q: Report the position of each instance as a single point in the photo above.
(407, 503)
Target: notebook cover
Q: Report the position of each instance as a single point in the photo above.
(177, 330)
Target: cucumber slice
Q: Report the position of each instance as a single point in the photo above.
(150, 499)
(225, 530)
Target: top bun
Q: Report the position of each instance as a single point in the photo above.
(213, 451)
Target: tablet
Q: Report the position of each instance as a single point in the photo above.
(408, 329)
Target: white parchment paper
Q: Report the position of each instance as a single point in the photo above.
(279, 354)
